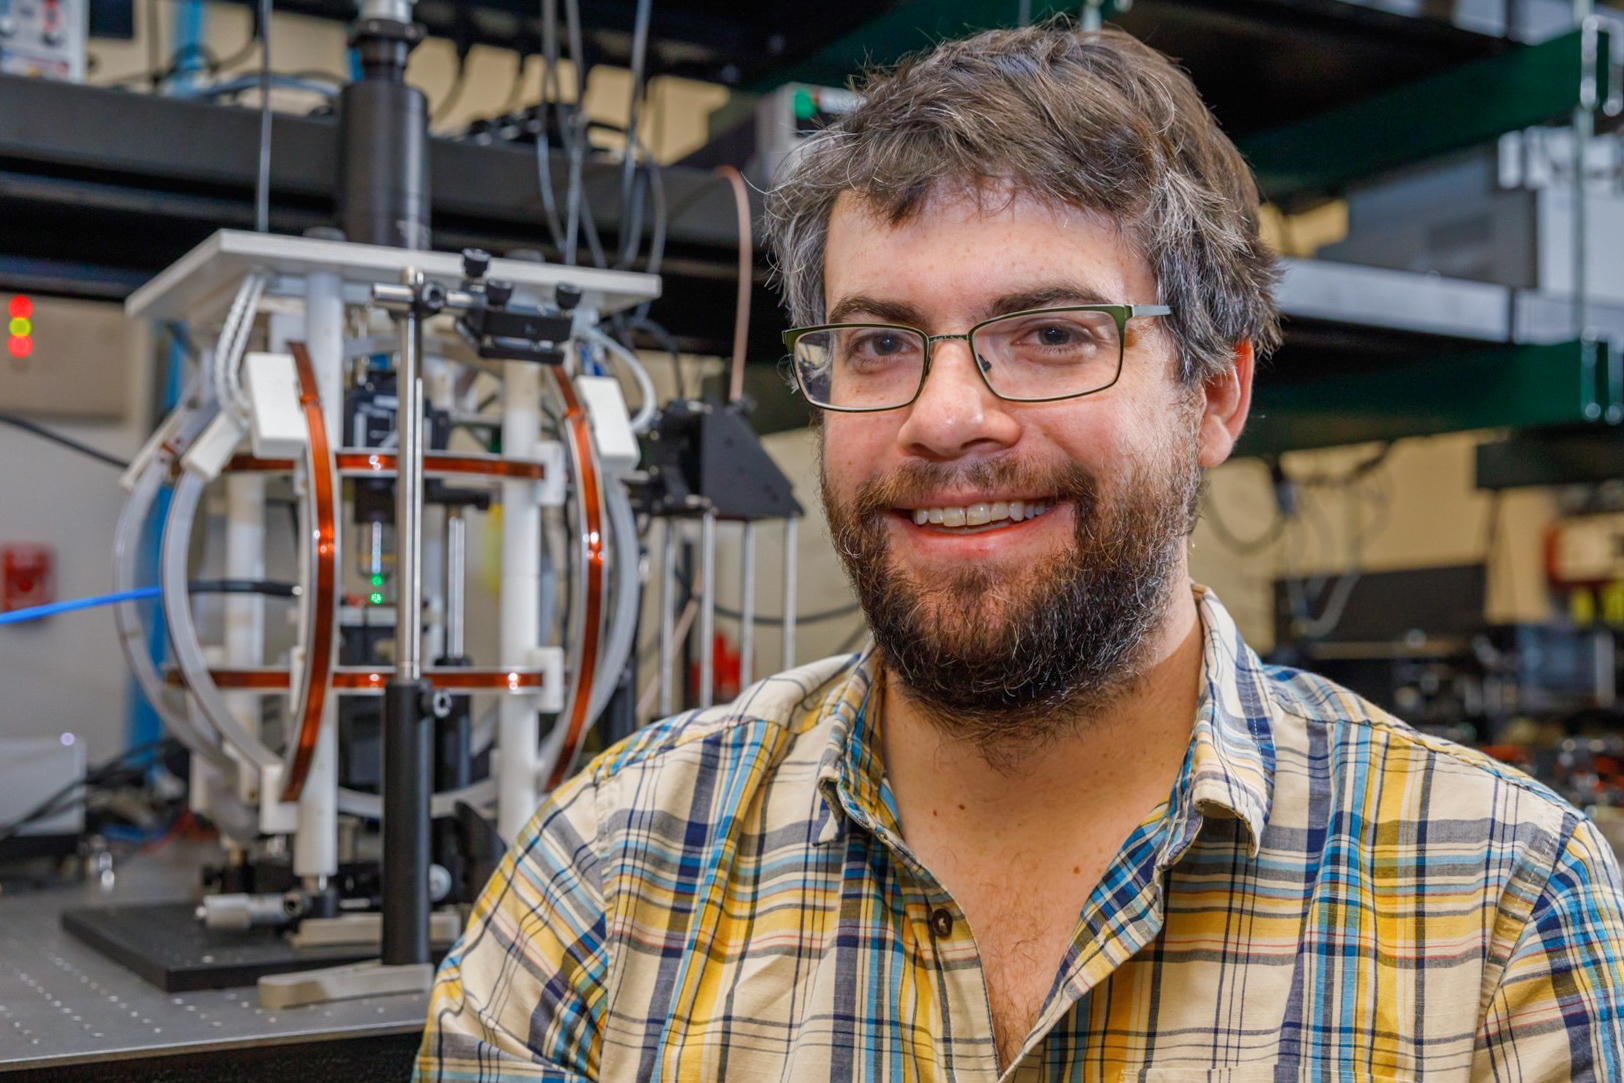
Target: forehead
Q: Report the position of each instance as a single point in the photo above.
(962, 250)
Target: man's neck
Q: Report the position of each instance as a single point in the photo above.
(1129, 752)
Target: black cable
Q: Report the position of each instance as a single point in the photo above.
(772, 622)
(575, 194)
(247, 49)
(66, 441)
(652, 643)
(628, 166)
(667, 343)
(1354, 473)
(549, 86)
(94, 777)
(1244, 546)
(589, 230)
(270, 588)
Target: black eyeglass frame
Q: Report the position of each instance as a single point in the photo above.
(1120, 314)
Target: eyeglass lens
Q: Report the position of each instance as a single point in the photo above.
(1034, 355)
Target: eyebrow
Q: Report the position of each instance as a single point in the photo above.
(900, 312)
(1047, 296)
(875, 309)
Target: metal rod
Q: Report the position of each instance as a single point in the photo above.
(668, 614)
(406, 743)
(747, 606)
(409, 493)
(1584, 127)
(707, 610)
(791, 557)
(456, 562)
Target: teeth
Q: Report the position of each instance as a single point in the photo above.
(981, 513)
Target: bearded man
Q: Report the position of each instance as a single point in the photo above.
(1059, 822)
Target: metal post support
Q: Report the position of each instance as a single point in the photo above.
(437, 395)
(456, 564)
(668, 614)
(792, 553)
(383, 175)
(707, 610)
(747, 606)
(406, 763)
(1584, 130)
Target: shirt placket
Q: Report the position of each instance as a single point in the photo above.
(966, 1050)
(1100, 945)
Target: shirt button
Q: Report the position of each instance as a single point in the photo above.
(941, 922)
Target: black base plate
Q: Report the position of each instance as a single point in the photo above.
(166, 945)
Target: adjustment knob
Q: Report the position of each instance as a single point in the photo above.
(566, 296)
(498, 292)
(475, 262)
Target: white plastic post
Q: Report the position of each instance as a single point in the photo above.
(520, 605)
(315, 844)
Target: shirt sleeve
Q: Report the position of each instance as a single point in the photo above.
(521, 995)
(1558, 1010)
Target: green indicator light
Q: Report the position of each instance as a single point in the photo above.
(377, 599)
(22, 326)
(377, 580)
(805, 106)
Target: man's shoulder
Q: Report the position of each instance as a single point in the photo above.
(769, 715)
(1364, 747)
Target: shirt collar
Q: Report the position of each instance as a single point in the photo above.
(850, 773)
(1228, 768)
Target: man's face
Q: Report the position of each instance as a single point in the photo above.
(995, 628)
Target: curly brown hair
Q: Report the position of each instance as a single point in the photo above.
(1091, 119)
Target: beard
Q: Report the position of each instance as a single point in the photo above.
(1009, 658)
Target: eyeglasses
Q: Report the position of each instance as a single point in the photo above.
(1041, 355)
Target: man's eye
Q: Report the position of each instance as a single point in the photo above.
(881, 344)
(886, 342)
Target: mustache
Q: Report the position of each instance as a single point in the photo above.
(912, 482)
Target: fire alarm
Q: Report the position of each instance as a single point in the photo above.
(27, 576)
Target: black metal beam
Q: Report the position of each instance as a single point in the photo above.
(117, 185)
(1563, 456)
(716, 40)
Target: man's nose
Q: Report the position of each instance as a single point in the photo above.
(956, 411)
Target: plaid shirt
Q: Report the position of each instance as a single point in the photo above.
(1326, 894)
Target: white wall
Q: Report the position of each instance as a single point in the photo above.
(66, 673)
(1418, 509)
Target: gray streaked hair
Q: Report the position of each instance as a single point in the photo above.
(1090, 119)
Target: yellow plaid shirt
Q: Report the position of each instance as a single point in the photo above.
(1325, 894)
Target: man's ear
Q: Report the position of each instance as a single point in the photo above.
(1226, 400)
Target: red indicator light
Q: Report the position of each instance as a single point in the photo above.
(20, 308)
(19, 346)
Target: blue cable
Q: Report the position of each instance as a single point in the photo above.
(17, 616)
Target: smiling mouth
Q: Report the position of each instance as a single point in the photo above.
(979, 516)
